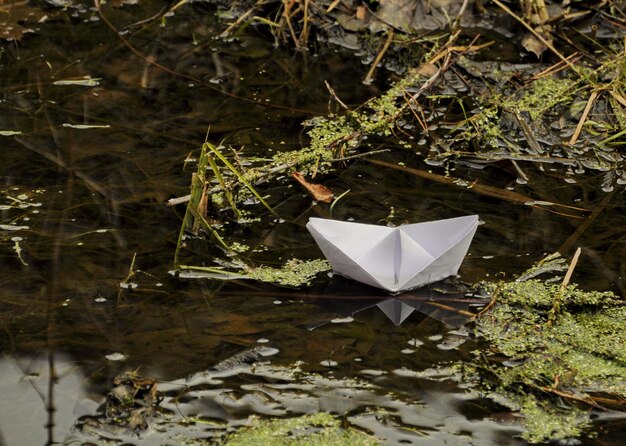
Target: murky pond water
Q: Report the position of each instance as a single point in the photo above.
(94, 142)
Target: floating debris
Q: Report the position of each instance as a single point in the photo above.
(86, 126)
(116, 356)
(86, 81)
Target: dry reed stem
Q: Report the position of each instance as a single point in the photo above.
(332, 6)
(369, 77)
(557, 302)
(535, 33)
(237, 22)
(583, 118)
(334, 95)
(304, 35)
(287, 18)
(557, 67)
(570, 270)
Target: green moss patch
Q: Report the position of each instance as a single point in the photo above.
(319, 429)
(294, 273)
(556, 371)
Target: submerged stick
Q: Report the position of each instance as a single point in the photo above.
(585, 225)
(482, 189)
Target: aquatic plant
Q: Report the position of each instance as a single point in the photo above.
(308, 430)
(561, 372)
(293, 273)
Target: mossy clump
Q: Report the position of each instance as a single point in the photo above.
(294, 273)
(319, 429)
(333, 135)
(543, 95)
(553, 369)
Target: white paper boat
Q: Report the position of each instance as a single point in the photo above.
(395, 259)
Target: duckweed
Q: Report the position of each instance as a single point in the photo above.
(554, 371)
(294, 273)
(318, 429)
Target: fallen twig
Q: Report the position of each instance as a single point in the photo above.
(482, 189)
(570, 270)
(557, 302)
(585, 225)
(369, 77)
(583, 118)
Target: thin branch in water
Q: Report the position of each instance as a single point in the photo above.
(334, 95)
(369, 77)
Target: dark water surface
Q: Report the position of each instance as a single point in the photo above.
(86, 179)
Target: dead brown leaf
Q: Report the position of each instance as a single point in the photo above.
(318, 192)
(533, 45)
(361, 11)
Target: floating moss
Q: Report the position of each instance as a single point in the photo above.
(485, 125)
(543, 95)
(319, 429)
(555, 370)
(294, 273)
(239, 247)
(545, 421)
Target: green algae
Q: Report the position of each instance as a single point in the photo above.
(543, 95)
(545, 421)
(320, 429)
(553, 371)
(332, 135)
(294, 273)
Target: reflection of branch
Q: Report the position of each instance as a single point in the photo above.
(194, 79)
(50, 404)
(567, 244)
(479, 188)
(60, 162)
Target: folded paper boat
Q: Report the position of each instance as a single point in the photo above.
(395, 259)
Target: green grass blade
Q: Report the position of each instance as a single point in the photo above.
(240, 177)
(220, 179)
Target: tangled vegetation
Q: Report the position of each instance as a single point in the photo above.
(559, 371)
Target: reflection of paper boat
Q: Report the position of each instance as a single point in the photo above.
(395, 259)
(396, 310)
